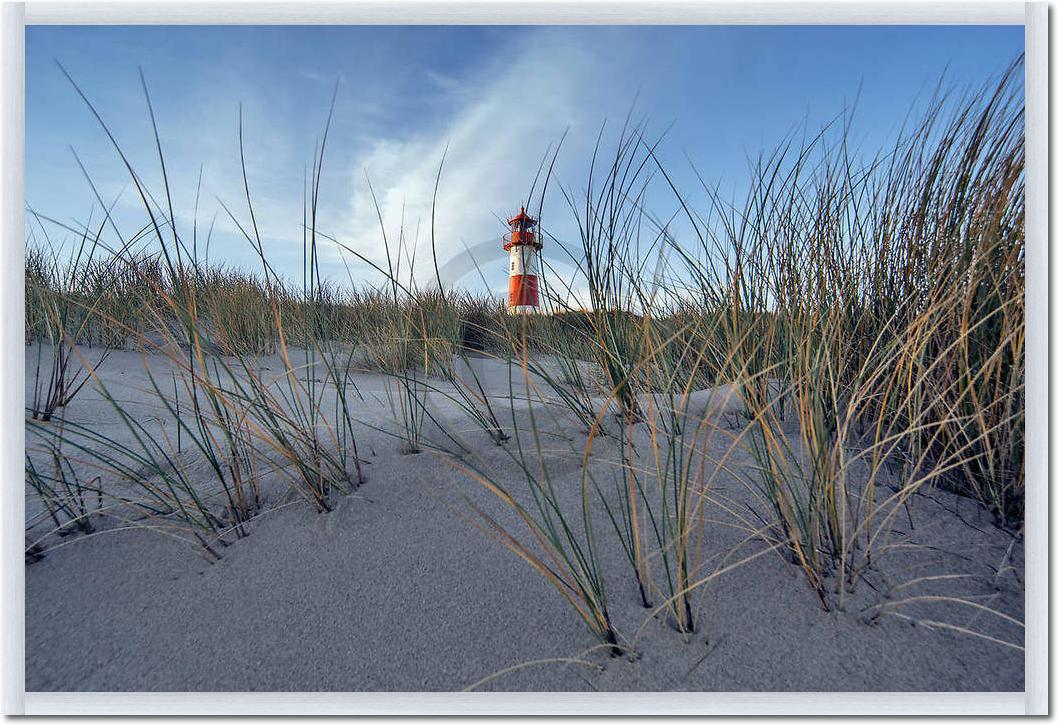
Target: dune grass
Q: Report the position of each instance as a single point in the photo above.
(867, 315)
(870, 314)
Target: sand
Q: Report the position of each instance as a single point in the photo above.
(395, 589)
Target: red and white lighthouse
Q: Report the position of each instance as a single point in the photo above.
(523, 291)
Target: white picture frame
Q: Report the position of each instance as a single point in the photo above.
(1033, 15)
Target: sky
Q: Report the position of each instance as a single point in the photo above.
(491, 101)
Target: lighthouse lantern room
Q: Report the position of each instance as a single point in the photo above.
(523, 291)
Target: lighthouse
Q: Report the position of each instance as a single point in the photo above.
(523, 290)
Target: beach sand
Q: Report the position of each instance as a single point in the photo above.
(397, 589)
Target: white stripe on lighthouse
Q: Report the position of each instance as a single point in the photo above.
(523, 260)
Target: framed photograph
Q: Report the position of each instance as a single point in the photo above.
(525, 358)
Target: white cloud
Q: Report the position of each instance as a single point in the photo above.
(494, 147)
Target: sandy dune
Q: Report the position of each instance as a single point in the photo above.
(395, 589)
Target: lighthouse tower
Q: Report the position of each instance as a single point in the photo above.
(523, 291)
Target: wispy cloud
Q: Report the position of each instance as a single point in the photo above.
(492, 148)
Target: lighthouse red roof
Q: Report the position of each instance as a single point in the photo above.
(522, 217)
(521, 232)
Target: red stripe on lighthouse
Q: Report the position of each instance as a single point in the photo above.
(523, 291)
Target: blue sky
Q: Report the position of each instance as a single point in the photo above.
(496, 97)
